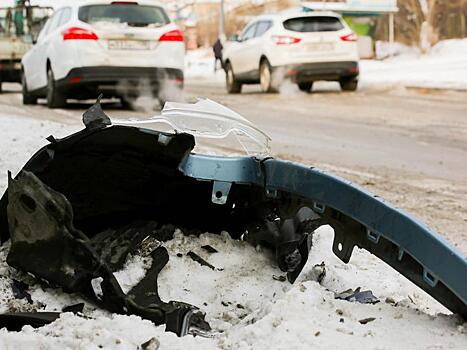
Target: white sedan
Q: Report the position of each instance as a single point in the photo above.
(112, 47)
(304, 47)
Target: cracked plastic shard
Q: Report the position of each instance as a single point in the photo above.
(207, 119)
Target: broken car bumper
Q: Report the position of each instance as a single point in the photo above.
(84, 202)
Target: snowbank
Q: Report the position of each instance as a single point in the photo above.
(245, 305)
(443, 67)
(199, 64)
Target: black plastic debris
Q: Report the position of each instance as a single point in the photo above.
(367, 320)
(318, 272)
(363, 297)
(279, 278)
(199, 260)
(95, 117)
(291, 238)
(73, 260)
(75, 308)
(14, 322)
(209, 249)
(151, 344)
(20, 290)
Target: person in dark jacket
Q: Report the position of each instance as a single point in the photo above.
(217, 48)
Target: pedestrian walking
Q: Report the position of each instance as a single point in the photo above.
(217, 48)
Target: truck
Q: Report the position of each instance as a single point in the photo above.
(19, 27)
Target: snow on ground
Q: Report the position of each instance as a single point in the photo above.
(443, 67)
(199, 64)
(246, 307)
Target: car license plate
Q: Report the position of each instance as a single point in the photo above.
(320, 46)
(128, 45)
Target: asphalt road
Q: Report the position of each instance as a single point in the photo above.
(401, 130)
(409, 146)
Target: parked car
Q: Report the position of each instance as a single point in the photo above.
(304, 47)
(110, 47)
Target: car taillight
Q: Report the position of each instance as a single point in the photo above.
(76, 33)
(74, 79)
(173, 35)
(285, 40)
(349, 37)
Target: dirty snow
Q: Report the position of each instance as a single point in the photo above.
(245, 305)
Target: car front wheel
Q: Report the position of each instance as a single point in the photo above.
(55, 99)
(233, 86)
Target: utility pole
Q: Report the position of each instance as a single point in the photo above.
(222, 22)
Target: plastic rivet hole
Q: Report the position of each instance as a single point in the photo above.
(320, 208)
(429, 278)
(28, 203)
(218, 194)
(339, 247)
(372, 236)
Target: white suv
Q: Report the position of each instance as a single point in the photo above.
(109, 47)
(303, 47)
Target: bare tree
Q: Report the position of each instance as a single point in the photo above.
(448, 19)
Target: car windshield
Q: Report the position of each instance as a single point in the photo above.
(132, 14)
(313, 24)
